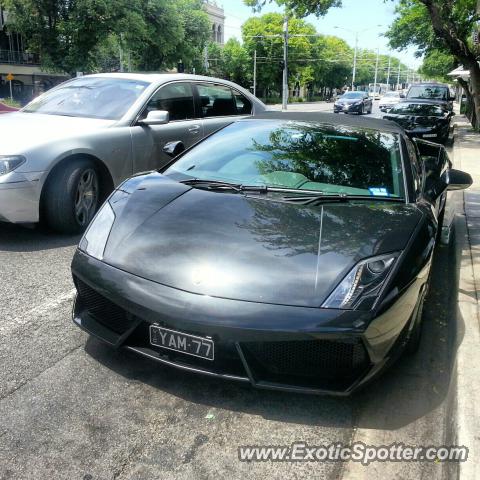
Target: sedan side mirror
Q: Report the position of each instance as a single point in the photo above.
(458, 180)
(172, 149)
(402, 95)
(156, 117)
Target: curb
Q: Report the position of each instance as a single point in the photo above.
(464, 425)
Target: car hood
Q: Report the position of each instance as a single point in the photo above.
(247, 247)
(409, 122)
(348, 101)
(20, 131)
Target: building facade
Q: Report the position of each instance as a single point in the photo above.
(29, 79)
(217, 17)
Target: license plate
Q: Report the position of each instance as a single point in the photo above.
(182, 342)
(430, 135)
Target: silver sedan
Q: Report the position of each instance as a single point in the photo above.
(62, 154)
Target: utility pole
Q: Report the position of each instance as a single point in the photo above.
(355, 61)
(285, 66)
(388, 74)
(398, 76)
(255, 73)
(376, 75)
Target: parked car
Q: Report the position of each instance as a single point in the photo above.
(422, 119)
(389, 100)
(353, 102)
(290, 251)
(63, 153)
(434, 92)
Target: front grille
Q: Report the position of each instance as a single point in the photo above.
(312, 363)
(103, 310)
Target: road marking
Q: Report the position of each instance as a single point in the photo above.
(39, 311)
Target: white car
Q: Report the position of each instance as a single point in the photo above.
(389, 100)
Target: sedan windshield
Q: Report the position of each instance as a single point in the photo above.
(92, 97)
(418, 109)
(428, 92)
(353, 95)
(298, 155)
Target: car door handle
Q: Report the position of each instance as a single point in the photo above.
(194, 129)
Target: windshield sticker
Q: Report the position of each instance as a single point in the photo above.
(378, 192)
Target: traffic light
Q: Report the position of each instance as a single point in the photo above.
(180, 67)
(281, 64)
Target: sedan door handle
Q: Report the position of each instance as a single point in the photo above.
(194, 129)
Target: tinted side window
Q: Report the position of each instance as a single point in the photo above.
(176, 98)
(216, 101)
(416, 169)
(244, 106)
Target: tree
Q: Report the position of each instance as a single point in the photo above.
(79, 35)
(437, 63)
(441, 24)
(299, 8)
(264, 34)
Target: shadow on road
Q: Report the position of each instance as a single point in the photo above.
(14, 238)
(410, 389)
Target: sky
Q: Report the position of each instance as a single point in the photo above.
(355, 15)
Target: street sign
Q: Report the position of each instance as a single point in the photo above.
(10, 77)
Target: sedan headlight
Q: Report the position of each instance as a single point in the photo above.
(95, 239)
(8, 163)
(365, 280)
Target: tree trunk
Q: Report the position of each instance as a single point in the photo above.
(475, 91)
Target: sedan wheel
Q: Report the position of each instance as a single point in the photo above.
(86, 198)
(72, 196)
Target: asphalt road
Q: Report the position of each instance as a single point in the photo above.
(72, 408)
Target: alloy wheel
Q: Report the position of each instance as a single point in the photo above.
(86, 198)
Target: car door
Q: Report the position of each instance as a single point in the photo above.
(148, 140)
(219, 105)
(368, 102)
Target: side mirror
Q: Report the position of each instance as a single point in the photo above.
(458, 180)
(156, 117)
(402, 95)
(172, 149)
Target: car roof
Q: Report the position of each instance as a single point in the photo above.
(429, 84)
(160, 77)
(330, 119)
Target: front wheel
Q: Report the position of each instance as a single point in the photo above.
(72, 196)
(414, 339)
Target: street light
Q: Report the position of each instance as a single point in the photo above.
(356, 32)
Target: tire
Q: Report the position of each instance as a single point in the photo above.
(362, 111)
(72, 196)
(415, 337)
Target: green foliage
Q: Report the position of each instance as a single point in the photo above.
(436, 65)
(300, 8)
(87, 35)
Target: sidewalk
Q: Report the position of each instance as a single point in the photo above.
(466, 405)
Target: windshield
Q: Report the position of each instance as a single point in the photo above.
(92, 97)
(428, 91)
(298, 155)
(392, 94)
(353, 95)
(418, 109)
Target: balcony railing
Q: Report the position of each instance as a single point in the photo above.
(19, 58)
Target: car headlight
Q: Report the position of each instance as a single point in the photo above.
(95, 239)
(365, 280)
(8, 163)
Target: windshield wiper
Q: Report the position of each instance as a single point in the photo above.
(220, 185)
(321, 197)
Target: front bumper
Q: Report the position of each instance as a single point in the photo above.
(280, 347)
(20, 197)
(347, 108)
(431, 134)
